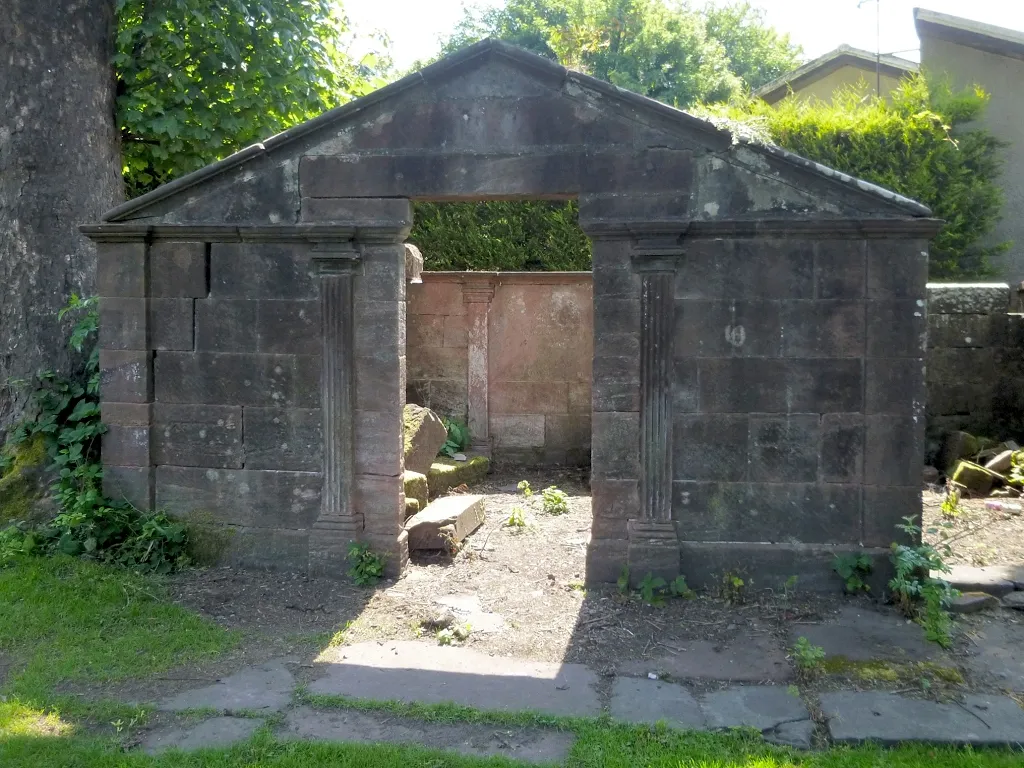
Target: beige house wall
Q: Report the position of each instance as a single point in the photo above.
(847, 75)
(1003, 78)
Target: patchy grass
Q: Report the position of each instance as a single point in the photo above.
(68, 621)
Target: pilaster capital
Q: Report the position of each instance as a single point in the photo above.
(478, 289)
(335, 256)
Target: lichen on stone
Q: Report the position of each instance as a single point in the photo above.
(21, 485)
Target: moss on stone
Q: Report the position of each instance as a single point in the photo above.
(412, 506)
(20, 486)
(880, 670)
(416, 488)
(208, 538)
(446, 474)
(412, 418)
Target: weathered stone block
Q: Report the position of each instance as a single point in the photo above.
(280, 549)
(291, 381)
(685, 386)
(415, 487)
(517, 431)
(455, 331)
(567, 430)
(445, 522)
(379, 437)
(380, 499)
(283, 438)
(353, 211)
(897, 269)
(426, 330)
(614, 275)
(895, 386)
(178, 270)
(760, 385)
(134, 485)
(437, 363)
(759, 269)
(529, 397)
(616, 384)
(171, 324)
(126, 414)
(963, 330)
(613, 316)
(121, 269)
(896, 328)
(968, 298)
(124, 324)
(784, 449)
(839, 267)
(446, 474)
(805, 513)
(842, 448)
(262, 271)
(884, 509)
(615, 445)
(728, 329)
(615, 500)
(126, 446)
(272, 327)
(823, 328)
(251, 498)
(226, 325)
(126, 376)
(198, 435)
(382, 276)
(710, 447)
(618, 345)
(605, 560)
(380, 385)
(424, 436)
(893, 450)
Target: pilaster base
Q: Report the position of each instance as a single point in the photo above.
(654, 549)
(329, 541)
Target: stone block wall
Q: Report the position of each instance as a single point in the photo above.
(975, 361)
(537, 358)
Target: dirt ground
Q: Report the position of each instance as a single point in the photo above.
(978, 535)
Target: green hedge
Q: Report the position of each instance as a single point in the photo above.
(513, 236)
(914, 144)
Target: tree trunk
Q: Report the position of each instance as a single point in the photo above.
(59, 169)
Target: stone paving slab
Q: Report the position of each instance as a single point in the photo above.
(749, 657)
(532, 745)
(267, 686)
(215, 732)
(639, 700)
(861, 634)
(998, 654)
(888, 719)
(410, 671)
(753, 706)
(997, 580)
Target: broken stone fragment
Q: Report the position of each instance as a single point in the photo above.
(973, 602)
(930, 476)
(975, 478)
(413, 263)
(425, 433)
(1001, 462)
(445, 522)
(1014, 600)
(956, 446)
(415, 487)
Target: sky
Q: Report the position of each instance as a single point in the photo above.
(416, 26)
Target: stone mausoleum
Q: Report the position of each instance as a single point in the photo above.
(758, 377)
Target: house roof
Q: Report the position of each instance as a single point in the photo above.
(844, 55)
(973, 34)
(543, 70)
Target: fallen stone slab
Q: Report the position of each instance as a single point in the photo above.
(215, 732)
(997, 580)
(411, 671)
(887, 719)
(415, 489)
(1014, 600)
(467, 609)
(425, 434)
(267, 686)
(445, 474)
(861, 634)
(974, 477)
(1001, 462)
(445, 522)
(748, 658)
(532, 745)
(973, 602)
(764, 707)
(644, 701)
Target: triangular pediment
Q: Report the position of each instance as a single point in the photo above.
(496, 122)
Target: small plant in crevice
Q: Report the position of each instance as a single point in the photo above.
(853, 568)
(653, 590)
(554, 501)
(458, 437)
(951, 502)
(734, 588)
(623, 581)
(460, 632)
(516, 519)
(918, 594)
(809, 659)
(366, 566)
(525, 489)
(65, 414)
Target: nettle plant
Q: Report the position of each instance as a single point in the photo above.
(65, 415)
(916, 592)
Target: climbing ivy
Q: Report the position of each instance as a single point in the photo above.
(65, 415)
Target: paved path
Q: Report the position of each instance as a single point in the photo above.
(412, 671)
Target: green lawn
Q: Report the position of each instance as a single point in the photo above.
(68, 621)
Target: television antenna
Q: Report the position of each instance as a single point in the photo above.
(878, 42)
